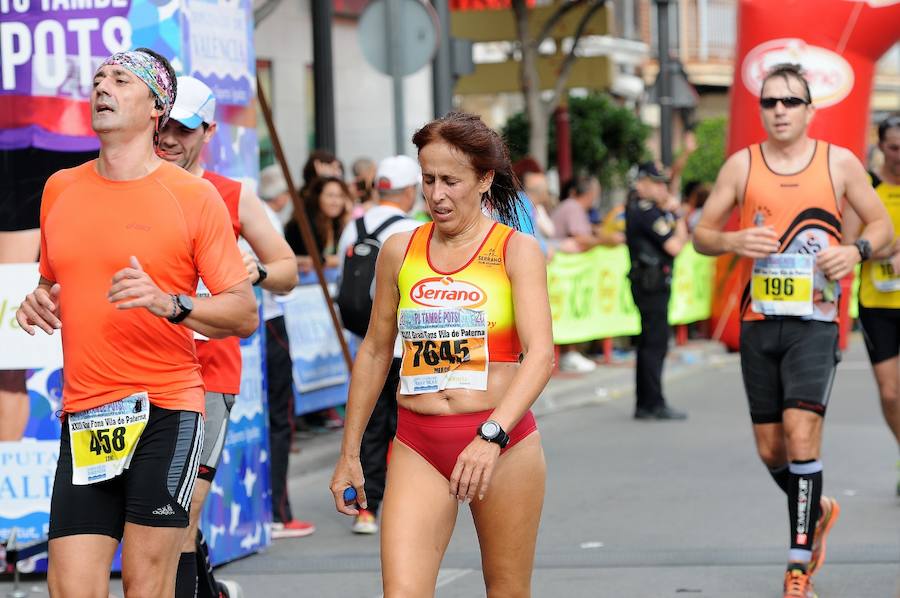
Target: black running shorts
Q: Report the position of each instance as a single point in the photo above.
(881, 330)
(788, 363)
(155, 490)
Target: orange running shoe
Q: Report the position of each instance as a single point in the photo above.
(798, 585)
(830, 511)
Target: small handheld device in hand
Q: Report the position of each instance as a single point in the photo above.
(759, 219)
(349, 494)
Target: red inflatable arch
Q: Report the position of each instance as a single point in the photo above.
(838, 43)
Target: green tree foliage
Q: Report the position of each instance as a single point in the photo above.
(607, 139)
(704, 164)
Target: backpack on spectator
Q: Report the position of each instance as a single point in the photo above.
(355, 292)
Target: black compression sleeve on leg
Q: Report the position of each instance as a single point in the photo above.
(186, 577)
(804, 494)
(206, 582)
(780, 474)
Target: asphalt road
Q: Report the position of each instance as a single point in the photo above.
(647, 510)
(642, 509)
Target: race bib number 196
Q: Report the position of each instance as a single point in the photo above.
(782, 285)
(103, 439)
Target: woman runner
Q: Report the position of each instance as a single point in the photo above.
(469, 296)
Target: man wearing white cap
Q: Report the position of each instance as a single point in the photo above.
(396, 183)
(191, 125)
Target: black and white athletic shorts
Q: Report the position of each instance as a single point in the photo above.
(155, 490)
(788, 363)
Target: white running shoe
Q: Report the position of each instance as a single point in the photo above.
(231, 589)
(573, 361)
(365, 523)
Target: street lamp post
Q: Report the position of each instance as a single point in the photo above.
(665, 82)
(442, 70)
(323, 75)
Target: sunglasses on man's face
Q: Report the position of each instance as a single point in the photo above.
(788, 102)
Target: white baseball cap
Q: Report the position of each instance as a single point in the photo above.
(271, 182)
(195, 103)
(397, 172)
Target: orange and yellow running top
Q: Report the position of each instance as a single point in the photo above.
(803, 210)
(453, 324)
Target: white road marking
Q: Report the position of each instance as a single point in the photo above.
(446, 577)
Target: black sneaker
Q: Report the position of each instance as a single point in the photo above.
(660, 413)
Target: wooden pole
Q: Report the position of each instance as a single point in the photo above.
(305, 227)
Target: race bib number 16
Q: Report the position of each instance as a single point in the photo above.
(884, 278)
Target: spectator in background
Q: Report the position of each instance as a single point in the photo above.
(397, 181)
(325, 205)
(535, 196)
(362, 189)
(575, 235)
(320, 163)
(689, 141)
(695, 195)
(273, 190)
(571, 221)
(612, 228)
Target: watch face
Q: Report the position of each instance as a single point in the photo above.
(185, 302)
(490, 429)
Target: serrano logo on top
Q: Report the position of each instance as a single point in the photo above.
(830, 76)
(443, 291)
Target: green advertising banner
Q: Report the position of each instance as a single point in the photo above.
(692, 279)
(590, 296)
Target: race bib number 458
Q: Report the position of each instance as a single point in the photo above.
(782, 285)
(443, 348)
(103, 439)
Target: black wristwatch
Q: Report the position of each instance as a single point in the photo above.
(865, 248)
(492, 432)
(263, 273)
(181, 308)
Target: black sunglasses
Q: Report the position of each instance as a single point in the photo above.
(788, 102)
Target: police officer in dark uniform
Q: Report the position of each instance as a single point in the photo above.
(654, 236)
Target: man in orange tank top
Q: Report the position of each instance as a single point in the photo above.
(271, 266)
(123, 242)
(789, 190)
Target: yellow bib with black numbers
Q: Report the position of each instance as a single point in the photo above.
(103, 439)
(878, 283)
(782, 285)
(884, 279)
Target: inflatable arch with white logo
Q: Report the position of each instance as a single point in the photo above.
(838, 43)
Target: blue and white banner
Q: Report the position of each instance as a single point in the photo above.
(238, 509)
(321, 379)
